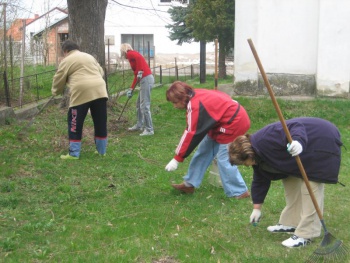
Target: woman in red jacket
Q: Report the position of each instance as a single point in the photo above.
(142, 75)
(213, 121)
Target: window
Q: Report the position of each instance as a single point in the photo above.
(169, 1)
(63, 37)
(140, 43)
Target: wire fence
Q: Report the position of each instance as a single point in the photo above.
(18, 92)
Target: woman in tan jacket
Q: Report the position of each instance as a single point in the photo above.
(84, 77)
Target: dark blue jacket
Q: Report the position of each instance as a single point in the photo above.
(320, 157)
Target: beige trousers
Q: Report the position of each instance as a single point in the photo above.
(299, 211)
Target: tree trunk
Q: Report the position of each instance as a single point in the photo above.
(86, 26)
(222, 64)
(202, 62)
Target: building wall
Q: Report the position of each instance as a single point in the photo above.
(15, 30)
(145, 17)
(132, 17)
(333, 62)
(301, 44)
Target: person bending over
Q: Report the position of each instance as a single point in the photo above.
(213, 120)
(142, 75)
(317, 142)
(84, 77)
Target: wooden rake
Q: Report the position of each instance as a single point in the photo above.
(24, 130)
(331, 249)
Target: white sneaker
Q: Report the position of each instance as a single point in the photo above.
(279, 228)
(135, 128)
(145, 133)
(295, 241)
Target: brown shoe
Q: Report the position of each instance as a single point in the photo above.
(183, 188)
(244, 195)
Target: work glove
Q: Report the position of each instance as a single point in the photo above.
(172, 165)
(129, 93)
(255, 216)
(139, 74)
(294, 148)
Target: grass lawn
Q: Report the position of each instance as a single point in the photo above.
(122, 208)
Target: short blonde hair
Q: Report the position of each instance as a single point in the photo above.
(125, 47)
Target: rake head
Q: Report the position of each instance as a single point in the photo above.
(330, 250)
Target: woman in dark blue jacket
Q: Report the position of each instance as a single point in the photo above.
(317, 142)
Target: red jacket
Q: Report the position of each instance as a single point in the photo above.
(214, 113)
(137, 63)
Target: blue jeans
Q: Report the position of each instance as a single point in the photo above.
(231, 178)
(143, 104)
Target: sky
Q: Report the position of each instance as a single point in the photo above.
(28, 8)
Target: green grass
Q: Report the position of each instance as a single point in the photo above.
(122, 208)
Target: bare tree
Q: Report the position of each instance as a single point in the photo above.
(45, 43)
(86, 26)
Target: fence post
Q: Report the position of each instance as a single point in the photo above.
(106, 80)
(160, 74)
(37, 86)
(7, 92)
(191, 71)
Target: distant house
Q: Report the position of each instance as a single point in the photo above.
(15, 36)
(15, 30)
(141, 23)
(43, 36)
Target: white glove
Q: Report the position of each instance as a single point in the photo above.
(139, 74)
(172, 165)
(255, 216)
(129, 93)
(294, 148)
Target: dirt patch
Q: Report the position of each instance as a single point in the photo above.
(165, 260)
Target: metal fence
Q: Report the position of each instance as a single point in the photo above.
(18, 92)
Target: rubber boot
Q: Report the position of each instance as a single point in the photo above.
(101, 146)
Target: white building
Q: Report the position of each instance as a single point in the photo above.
(142, 23)
(302, 44)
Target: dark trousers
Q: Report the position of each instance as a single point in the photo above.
(77, 115)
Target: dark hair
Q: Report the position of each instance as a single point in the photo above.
(69, 45)
(179, 91)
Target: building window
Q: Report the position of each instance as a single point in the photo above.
(169, 1)
(141, 43)
(63, 37)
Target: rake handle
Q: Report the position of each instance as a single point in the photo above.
(126, 103)
(42, 108)
(285, 128)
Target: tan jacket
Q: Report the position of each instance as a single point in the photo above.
(83, 76)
